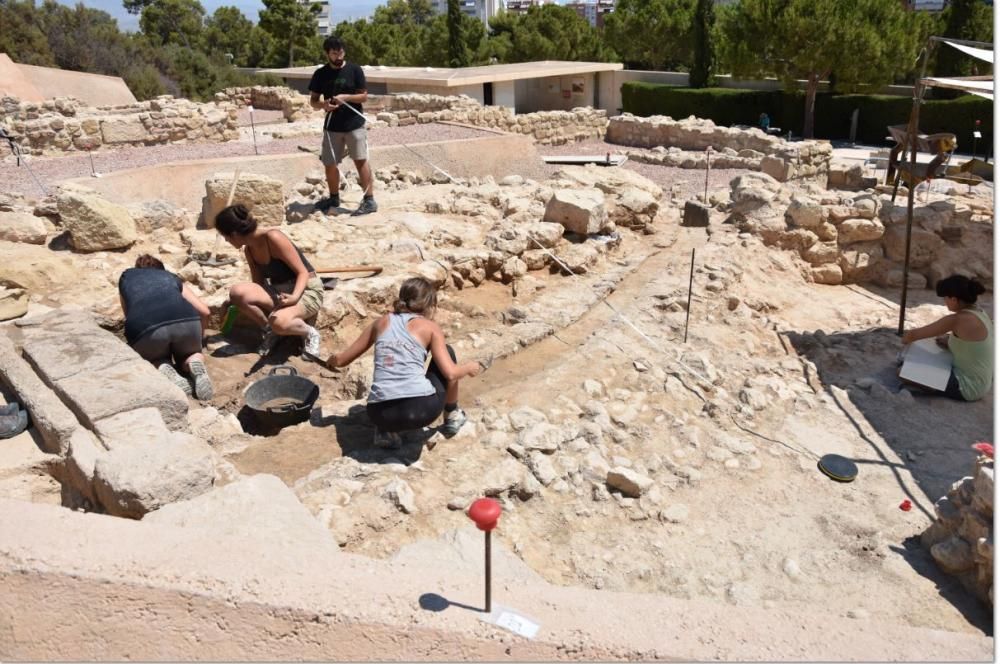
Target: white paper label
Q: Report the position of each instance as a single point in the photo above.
(977, 134)
(517, 624)
(251, 108)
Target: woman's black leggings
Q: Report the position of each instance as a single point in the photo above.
(412, 412)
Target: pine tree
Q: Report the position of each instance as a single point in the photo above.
(703, 66)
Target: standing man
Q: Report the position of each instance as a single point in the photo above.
(342, 84)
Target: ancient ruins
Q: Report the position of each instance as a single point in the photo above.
(650, 425)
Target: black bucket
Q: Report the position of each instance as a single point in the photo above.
(282, 398)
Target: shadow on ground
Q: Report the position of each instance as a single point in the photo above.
(931, 435)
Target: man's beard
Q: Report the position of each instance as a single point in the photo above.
(337, 63)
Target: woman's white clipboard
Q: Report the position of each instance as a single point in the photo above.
(927, 364)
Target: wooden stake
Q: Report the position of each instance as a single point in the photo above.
(687, 317)
(708, 167)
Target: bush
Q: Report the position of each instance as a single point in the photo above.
(726, 106)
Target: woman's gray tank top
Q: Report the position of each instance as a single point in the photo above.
(399, 363)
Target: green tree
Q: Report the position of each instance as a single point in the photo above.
(400, 12)
(703, 62)
(227, 30)
(963, 19)
(547, 32)
(867, 42)
(458, 54)
(22, 36)
(291, 24)
(652, 34)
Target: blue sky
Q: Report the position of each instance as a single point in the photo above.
(342, 9)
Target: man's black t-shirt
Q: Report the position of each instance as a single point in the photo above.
(152, 299)
(348, 80)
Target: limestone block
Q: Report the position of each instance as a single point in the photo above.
(541, 436)
(123, 129)
(95, 395)
(578, 257)
(696, 214)
(858, 261)
(776, 167)
(544, 233)
(142, 426)
(13, 303)
(22, 227)
(821, 253)
(633, 208)
(261, 506)
(264, 197)
(578, 210)
(859, 230)
(804, 212)
(893, 278)
(50, 417)
(62, 348)
(923, 245)
(954, 555)
(95, 224)
(153, 215)
(81, 455)
(829, 273)
(132, 480)
(628, 481)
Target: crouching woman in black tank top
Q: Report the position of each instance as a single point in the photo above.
(403, 396)
(285, 291)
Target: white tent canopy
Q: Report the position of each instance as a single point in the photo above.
(978, 53)
(977, 86)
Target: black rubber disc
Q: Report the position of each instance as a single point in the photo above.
(838, 468)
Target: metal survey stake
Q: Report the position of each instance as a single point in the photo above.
(687, 316)
(485, 512)
(253, 129)
(708, 167)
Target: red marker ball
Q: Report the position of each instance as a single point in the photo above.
(485, 512)
(906, 506)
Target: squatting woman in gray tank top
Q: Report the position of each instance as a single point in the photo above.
(403, 395)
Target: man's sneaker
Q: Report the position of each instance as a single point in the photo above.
(180, 381)
(268, 343)
(389, 440)
(10, 409)
(203, 389)
(311, 350)
(328, 203)
(368, 205)
(453, 421)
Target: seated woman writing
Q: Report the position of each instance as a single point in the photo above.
(967, 333)
(285, 292)
(403, 396)
(164, 323)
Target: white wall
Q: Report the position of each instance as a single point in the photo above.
(547, 94)
(504, 94)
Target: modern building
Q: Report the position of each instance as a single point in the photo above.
(483, 10)
(523, 87)
(593, 11)
(522, 6)
(324, 19)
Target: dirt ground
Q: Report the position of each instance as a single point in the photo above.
(728, 425)
(765, 527)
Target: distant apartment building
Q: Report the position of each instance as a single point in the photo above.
(483, 10)
(522, 6)
(593, 11)
(324, 24)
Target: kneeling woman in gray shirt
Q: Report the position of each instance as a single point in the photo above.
(403, 396)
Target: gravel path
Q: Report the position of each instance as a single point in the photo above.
(51, 170)
(687, 183)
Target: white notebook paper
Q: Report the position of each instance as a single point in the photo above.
(927, 364)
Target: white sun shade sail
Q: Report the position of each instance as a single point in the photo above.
(978, 53)
(981, 87)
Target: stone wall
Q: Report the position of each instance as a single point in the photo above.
(547, 127)
(861, 237)
(65, 124)
(961, 538)
(674, 140)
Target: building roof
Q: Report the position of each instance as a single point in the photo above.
(446, 77)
